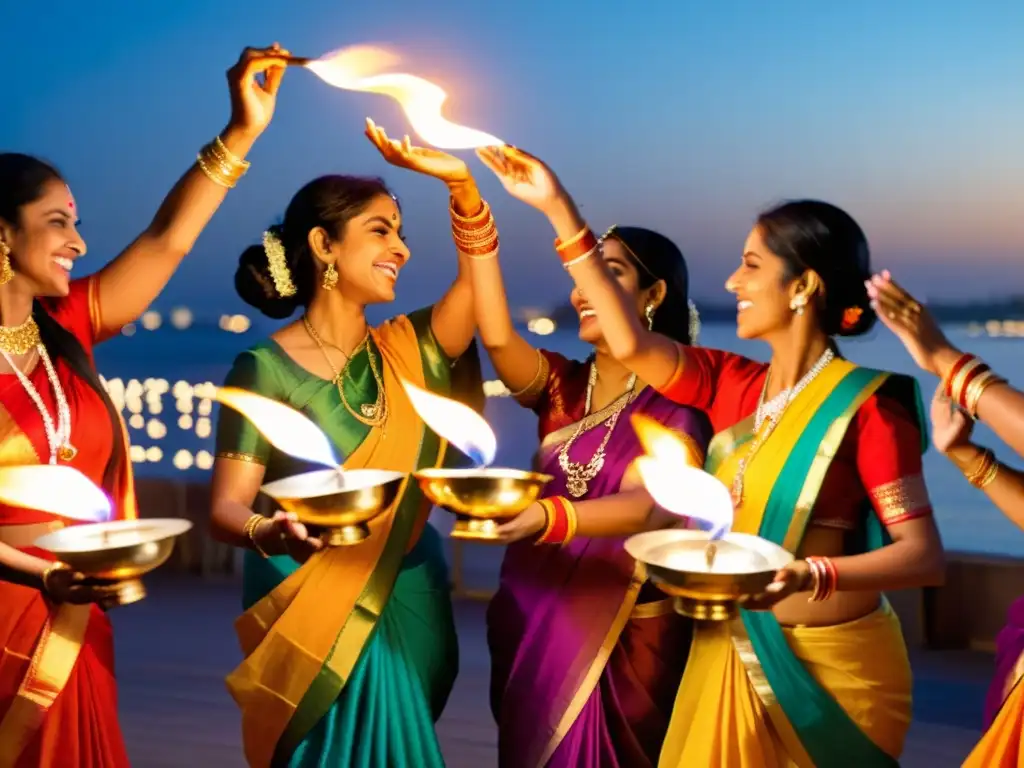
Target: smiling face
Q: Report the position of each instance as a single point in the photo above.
(44, 242)
(626, 274)
(369, 254)
(764, 290)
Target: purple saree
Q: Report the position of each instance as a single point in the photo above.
(1009, 660)
(586, 657)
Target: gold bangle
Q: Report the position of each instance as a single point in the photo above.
(249, 531)
(574, 239)
(573, 521)
(977, 389)
(221, 166)
(485, 211)
(549, 518)
(540, 378)
(957, 382)
(982, 470)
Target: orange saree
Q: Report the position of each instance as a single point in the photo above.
(58, 696)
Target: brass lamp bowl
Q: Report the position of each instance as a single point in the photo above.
(119, 552)
(481, 499)
(679, 564)
(337, 506)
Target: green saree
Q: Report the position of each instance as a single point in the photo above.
(393, 658)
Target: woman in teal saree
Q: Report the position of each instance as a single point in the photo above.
(350, 653)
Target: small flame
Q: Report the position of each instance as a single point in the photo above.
(58, 489)
(677, 486)
(459, 424)
(361, 68)
(283, 427)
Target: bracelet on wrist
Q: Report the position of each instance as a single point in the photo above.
(251, 531)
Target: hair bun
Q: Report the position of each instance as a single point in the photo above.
(255, 285)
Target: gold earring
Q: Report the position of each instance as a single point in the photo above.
(6, 272)
(330, 278)
(649, 311)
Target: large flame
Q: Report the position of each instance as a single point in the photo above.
(677, 486)
(361, 68)
(459, 424)
(57, 489)
(283, 427)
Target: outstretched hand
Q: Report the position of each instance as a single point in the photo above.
(912, 323)
(524, 176)
(430, 162)
(253, 82)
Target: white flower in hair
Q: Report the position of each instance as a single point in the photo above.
(278, 264)
(694, 322)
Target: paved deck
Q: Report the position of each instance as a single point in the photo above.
(174, 649)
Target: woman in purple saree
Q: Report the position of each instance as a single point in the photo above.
(586, 655)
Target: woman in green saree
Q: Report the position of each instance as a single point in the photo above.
(350, 653)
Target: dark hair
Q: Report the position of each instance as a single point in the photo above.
(658, 258)
(810, 234)
(329, 202)
(22, 179)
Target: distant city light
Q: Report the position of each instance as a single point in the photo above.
(151, 320)
(542, 326)
(181, 318)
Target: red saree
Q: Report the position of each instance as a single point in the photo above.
(58, 696)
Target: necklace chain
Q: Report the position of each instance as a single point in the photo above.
(770, 413)
(371, 414)
(58, 436)
(577, 475)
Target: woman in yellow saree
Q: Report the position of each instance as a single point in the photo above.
(822, 457)
(350, 652)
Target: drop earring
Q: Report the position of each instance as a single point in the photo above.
(649, 311)
(6, 273)
(798, 304)
(330, 278)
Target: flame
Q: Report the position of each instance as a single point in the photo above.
(676, 485)
(459, 424)
(360, 68)
(57, 489)
(283, 427)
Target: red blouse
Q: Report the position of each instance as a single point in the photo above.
(879, 458)
(91, 430)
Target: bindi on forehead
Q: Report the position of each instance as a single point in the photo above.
(71, 200)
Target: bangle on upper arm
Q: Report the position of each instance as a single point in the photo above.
(984, 471)
(539, 381)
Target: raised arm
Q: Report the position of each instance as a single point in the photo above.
(965, 379)
(654, 358)
(131, 282)
(453, 321)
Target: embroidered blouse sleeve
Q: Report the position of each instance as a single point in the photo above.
(237, 438)
(713, 381)
(889, 460)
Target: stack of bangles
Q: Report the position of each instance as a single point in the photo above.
(577, 248)
(823, 572)
(985, 472)
(561, 521)
(249, 531)
(475, 236)
(221, 166)
(967, 380)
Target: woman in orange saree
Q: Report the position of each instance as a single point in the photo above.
(970, 390)
(58, 696)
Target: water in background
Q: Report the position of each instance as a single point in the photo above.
(172, 428)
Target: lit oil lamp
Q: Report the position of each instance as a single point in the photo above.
(334, 503)
(710, 573)
(115, 553)
(362, 68)
(483, 497)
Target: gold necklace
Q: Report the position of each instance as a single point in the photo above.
(19, 339)
(578, 476)
(371, 414)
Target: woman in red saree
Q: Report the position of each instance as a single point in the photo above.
(969, 391)
(58, 697)
(821, 456)
(586, 656)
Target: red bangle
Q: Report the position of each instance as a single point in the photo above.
(947, 382)
(581, 245)
(970, 376)
(559, 527)
(825, 578)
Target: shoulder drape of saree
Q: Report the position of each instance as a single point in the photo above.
(300, 649)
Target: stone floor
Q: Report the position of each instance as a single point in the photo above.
(174, 648)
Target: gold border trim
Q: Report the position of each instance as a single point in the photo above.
(589, 421)
(52, 663)
(652, 610)
(249, 458)
(593, 674)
